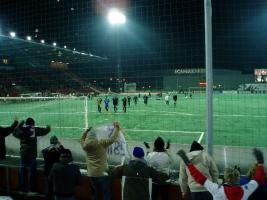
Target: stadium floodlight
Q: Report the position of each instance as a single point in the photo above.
(54, 44)
(116, 17)
(12, 34)
(29, 38)
(42, 41)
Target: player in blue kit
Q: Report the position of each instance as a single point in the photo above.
(106, 102)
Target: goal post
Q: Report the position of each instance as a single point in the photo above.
(67, 115)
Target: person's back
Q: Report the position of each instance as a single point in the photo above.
(51, 154)
(27, 134)
(159, 158)
(205, 164)
(28, 138)
(96, 155)
(137, 174)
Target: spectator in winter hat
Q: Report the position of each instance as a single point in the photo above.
(206, 165)
(160, 160)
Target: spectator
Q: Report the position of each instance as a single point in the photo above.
(64, 176)
(231, 189)
(27, 134)
(206, 165)
(96, 157)
(4, 132)
(137, 173)
(160, 160)
(51, 155)
(261, 192)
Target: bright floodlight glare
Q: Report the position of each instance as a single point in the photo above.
(65, 47)
(29, 38)
(116, 17)
(12, 34)
(54, 44)
(42, 41)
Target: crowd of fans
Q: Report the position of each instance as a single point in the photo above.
(145, 176)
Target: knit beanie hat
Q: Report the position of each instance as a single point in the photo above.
(159, 144)
(195, 146)
(30, 121)
(138, 152)
(53, 140)
(66, 156)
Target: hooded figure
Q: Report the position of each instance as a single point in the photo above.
(205, 164)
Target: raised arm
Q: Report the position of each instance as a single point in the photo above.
(197, 175)
(83, 138)
(259, 174)
(7, 130)
(113, 137)
(18, 132)
(42, 131)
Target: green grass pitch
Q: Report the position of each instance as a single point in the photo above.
(239, 119)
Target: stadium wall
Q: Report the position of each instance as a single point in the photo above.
(228, 79)
(224, 155)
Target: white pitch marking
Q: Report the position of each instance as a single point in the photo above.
(201, 137)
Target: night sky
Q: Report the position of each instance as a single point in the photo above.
(158, 35)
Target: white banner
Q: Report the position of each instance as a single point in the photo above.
(119, 148)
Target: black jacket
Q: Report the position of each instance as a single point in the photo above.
(3, 133)
(51, 155)
(63, 178)
(136, 183)
(28, 139)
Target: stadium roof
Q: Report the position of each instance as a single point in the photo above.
(30, 53)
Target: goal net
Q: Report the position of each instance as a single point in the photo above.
(129, 87)
(67, 116)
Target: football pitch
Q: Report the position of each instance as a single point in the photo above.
(239, 119)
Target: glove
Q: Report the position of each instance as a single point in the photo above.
(168, 144)
(183, 156)
(258, 155)
(146, 145)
